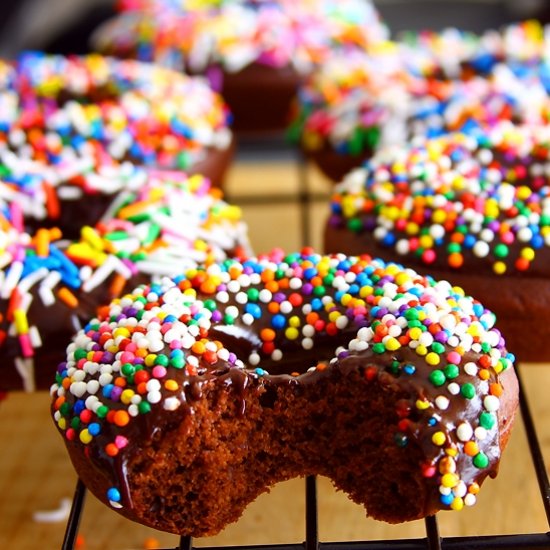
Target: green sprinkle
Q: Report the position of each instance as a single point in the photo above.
(501, 250)
(481, 460)
(162, 360)
(144, 407)
(116, 235)
(253, 295)
(438, 348)
(437, 377)
(468, 390)
(451, 371)
(379, 347)
(80, 354)
(486, 420)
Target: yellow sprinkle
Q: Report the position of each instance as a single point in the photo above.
(62, 423)
(449, 480)
(433, 358)
(121, 331)
(451, 451)
(292, 333)
(90, 235)
(85, 436)
(499, 268)
(426, 241)
(346, 299)
(412, 228)
(415, 333)
(402, 278)
(294, 321)
(366, 291)
(422, 404)
(150, 359)
(528, 254)
(333, 315)
(21, 321)
(421, 350)
(392, 344)
(438, 438)
(126, 396)
(457, 504)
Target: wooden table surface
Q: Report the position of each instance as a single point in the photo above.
(36, 475)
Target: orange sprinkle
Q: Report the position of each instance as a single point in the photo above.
(273, 307)
(58, 402)
(111, 449)
(471, 448)
(171, 385)
(495, 389)
(117, 285)
(133, 209)
(67, 297)
(272, 286)
(121, 418)
(52, 201)
(42, 242)
(267, 334)
(208, 287)
(198, 348)
(455, 260)
(484, 374)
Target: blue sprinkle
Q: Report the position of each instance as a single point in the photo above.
(447, 499)
(94, 428)
(278, 321)
(113, 494)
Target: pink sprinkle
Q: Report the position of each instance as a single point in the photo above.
(120, 442)
(127, 356)
(159, 371)
(453, 357)
(26, 345)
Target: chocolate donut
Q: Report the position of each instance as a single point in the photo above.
(50, 286)
(470, 209)
(428, 85)
(182, 402)
(256, 53)
(69, 126)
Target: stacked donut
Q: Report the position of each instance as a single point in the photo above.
(86, 204)
(425, 86)
(256, 52)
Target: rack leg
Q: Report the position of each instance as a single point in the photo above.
(312, 530)
(74, 517)
(186, 543)
(305, 200)
(432, 531)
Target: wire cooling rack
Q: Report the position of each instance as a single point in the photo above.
(432, 541)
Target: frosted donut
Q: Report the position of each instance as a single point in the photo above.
(69, 126)
(473, 210)
(257, 52)
(50, 286)
(356, 104)
(181, 402)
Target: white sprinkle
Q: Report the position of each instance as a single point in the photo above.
(464, 431)
(491, 403)
(454, 388)
(54, 516)
(78, 389)
(441, 402)
(154, 396)
(171, 403)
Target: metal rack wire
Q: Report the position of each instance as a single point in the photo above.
(432, 541)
